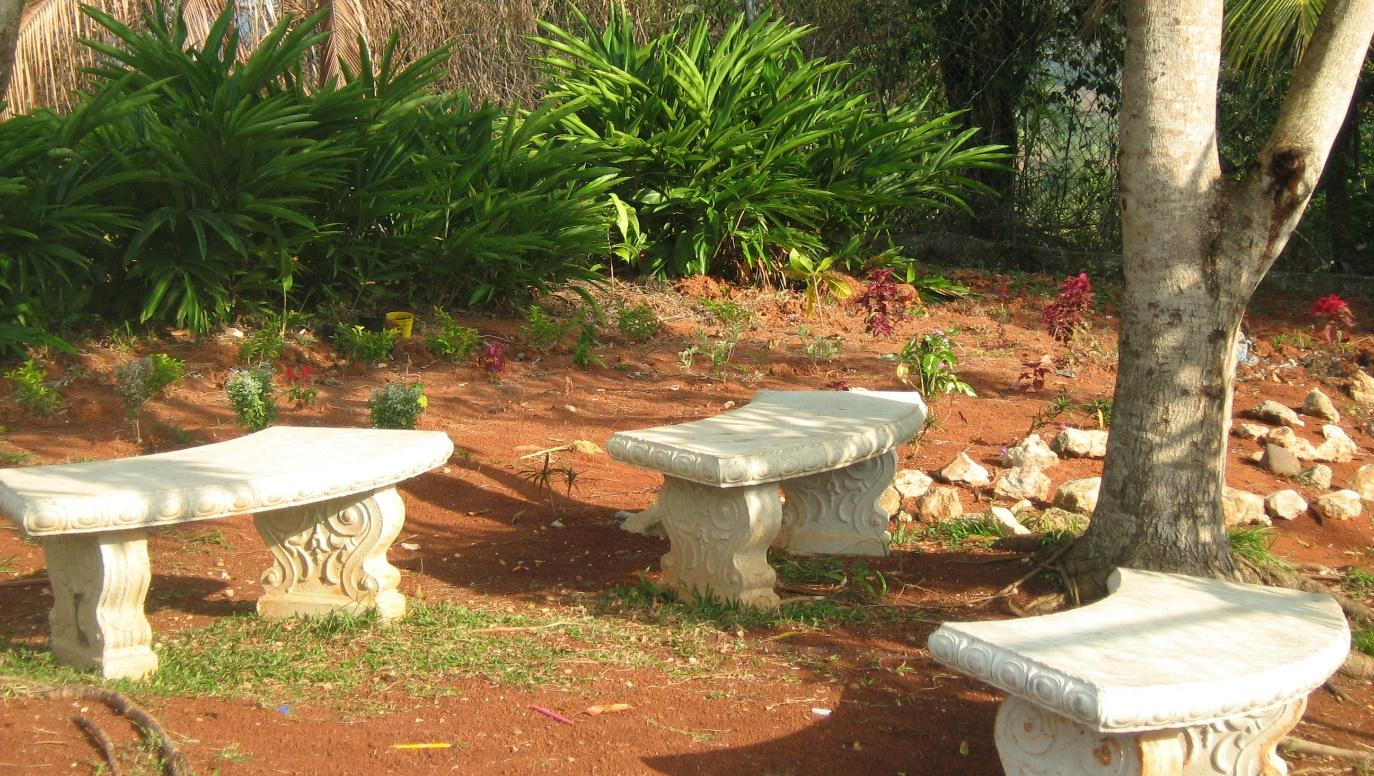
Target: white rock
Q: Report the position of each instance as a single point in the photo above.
(939, 504)
(1021, 506)
(1361, 388)
(1249, 430)
(1081, 443)
(1363, 483)
(1290, 441)
(1338, 447)
(1273, 412)
(963, 470)
(1241, 508)
(1341, 505)
(1319, 476)
(1319, 405)
(1030, 451)
(1056, 519)
(1079, 495)
(1007, 522)
(911, 483)
(1285, 504)
(1023, 482)
(891, 501)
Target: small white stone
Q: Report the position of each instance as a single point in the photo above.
(1007, 522)
(1363, 482)
(1319, 476)
(911, 483)
(1285, 504)
(940, 504)
(1290, 441)
(963, 470)
(1023, 482)
(1239, 507)
(1081, 443)
(411, 546)
(890, 501)
(1340, 505)
(1249, 431)
(1030, 451)
(1319, 405)
(1021, 506)
(1361, 388)
(1079, 495)
(1273, 412)
(1338, 447)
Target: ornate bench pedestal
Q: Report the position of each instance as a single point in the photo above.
(1167, 676)
(830, 453)
(99, 582)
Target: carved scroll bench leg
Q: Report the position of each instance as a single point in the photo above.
(1032, 741)
(837, 512)
(718, 540)
(99, 582)
(331, 557)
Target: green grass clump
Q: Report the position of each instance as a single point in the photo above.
(955, 532)
(31, 393)
(1252, 543)
(1364, 641)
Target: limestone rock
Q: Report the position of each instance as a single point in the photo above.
(1078, 495)
(1341, 505)
(1361, 388)
(1021, 506)
(1285, 504)
(963, 470)
(1007, 522)
(1338, 447)
(1241, 508)
(1249, 430)
(1319, 405)
(939, 504)
(1290, 441)
(891, 501)
(1279, 461)
(911, 483)
(586, 446)
(1026, 482)
(1319, 476)
(1273, 412)
(1081, 443)
(1363, 482)
(1054, 520)
(1030, 451)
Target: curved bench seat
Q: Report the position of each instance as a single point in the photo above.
(1211, 671)
(323, 499)
(830, 452)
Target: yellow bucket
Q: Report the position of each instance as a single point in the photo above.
(403, 322)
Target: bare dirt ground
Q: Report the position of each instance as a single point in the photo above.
(857, 695)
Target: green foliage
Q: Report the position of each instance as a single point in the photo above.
(735, 149)
(727, 312)
(1364, 641)
(955, 532)
(252, 396)
(818, 348)
(368, 347)
(140, 380)
(930, 360)
(636, 324)
(1358, 582)
(262, 346)
(397, 405)
(1252, 542)
(30, 392)
(583, 352)
(540, 332)
(453, 340)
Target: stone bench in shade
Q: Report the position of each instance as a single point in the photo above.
(1169, 675)
(324, 500)
(830, 452)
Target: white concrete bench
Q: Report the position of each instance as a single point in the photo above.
(832, 454)
(324, 500)
(1168, 676)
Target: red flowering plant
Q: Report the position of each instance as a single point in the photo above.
(299, 381)
(885, 302)
(1068, 312)
(492, 356)
(1334, 310)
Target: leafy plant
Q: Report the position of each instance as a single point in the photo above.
(31, 393)
(540, 332)
(636, 324)
(818, 348)
(727, 312)
(1101, 410)
(1252, 542)
(262, 346)
(138, 381)
(1068, 312)
(492, 356)
(931, 361)
(816, 277)
(1336, 314)
(1034, 373)
(453, 340)
(252, 396)
(397, 405)
(1358, 582)
(885, 302)
(368, 347)
(299, 390)
(583, 352)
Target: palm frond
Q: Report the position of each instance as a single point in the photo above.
(1261, 36)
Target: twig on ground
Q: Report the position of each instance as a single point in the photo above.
(102, 742)
(515, 628)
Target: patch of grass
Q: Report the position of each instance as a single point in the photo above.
(1364, 641)
(1358, 582)
(1252, 542)
(727, 312)
(9, 564)
(14, 458)
(850, 577)
(232, 754)
(955, 532)
(906, 533)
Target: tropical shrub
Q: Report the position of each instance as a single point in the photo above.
(141, 379)
(252, 396)
(397, 405)
(31, 391)
(735, 149)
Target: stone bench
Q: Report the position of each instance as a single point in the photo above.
(1169, 675)
(324, 500)
(830, 452)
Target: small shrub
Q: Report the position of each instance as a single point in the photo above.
(397, 405)
(453, 340)
(885, 301)
(252, 396)
(541, 332)
(1252, 542)
(492, 356)
(262, 346)
(1034, 373)
(1336, 313)
(820, 348)
(583, 353)
(931, 361)
(727, 312)
(1068, 312)
(1359, 583)
(359, 344)
(138, 381)
(30, 392)
(1364, 641)
(636, 324)
(300, 391)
